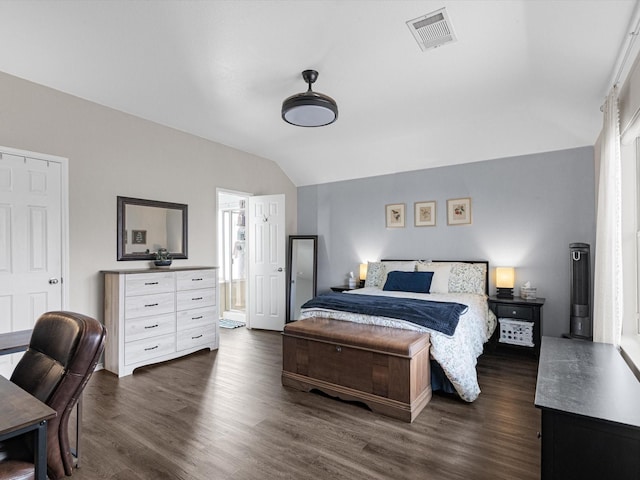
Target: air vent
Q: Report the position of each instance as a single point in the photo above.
(432, 30)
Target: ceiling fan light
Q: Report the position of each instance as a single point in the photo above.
(309, 109)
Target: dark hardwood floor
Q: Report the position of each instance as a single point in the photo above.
(225, 415)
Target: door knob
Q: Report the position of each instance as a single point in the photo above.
(53, 281)
(280, 269)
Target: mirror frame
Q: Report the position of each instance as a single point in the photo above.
(290, 270)
(122, 204)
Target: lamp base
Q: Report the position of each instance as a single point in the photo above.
(505, 293)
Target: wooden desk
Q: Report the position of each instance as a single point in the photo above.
(14, 342)
(21, 413)
(589, 399)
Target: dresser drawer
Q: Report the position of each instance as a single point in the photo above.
(196, 279)
(148, 283)
(147, 327)
(188, 299)
(195, 337)
(142, 350)
(196, 317)
(514, 311)
(144, 305)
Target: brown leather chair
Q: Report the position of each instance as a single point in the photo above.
(63, 352)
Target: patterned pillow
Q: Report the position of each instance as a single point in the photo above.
(375, 275)
(467, 278)
(377, 271)
(400, 265)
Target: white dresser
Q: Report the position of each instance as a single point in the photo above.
(153, 315)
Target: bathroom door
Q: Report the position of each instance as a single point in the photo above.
(267, 263)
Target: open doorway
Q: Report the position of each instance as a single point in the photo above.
(232, 256)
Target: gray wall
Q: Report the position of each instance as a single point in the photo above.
(525, 212)
(112, 153)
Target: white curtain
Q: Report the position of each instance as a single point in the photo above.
(607, 312)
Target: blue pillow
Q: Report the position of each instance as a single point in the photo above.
(417, 282)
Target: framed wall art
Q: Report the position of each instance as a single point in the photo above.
(459, 211)
(395, 215)
(138, 237)
(425, 214)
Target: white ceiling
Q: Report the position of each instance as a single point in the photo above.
(525, 76)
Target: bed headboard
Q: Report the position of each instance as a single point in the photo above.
(485, 262)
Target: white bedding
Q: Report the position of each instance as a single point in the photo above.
(456, 354)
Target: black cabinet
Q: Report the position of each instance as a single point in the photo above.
(342, 288)
(589, 399)
(519, 323)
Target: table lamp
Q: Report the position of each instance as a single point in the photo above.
(505, 280)
(363, 274)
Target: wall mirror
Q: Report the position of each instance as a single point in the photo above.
(303, 272)
(144, 226)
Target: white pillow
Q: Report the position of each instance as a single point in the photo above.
(403, 266)
(441, 274)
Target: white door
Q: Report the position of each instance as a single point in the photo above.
(31, 245)
(267, 276)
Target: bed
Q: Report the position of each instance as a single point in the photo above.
(454, 349)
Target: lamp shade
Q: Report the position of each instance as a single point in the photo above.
(505, 277)
(363, 271)
(309, 109)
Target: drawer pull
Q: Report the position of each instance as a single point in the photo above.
(151, 283)
(197, 298)
(196, 318)
(196, 279)
(151, 326)
(151, 305)
(514, 312)
(151, 348)
(338, 348)
(199, 336)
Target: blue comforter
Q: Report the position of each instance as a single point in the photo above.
(439, 316)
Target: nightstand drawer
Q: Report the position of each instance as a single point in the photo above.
(514, 311)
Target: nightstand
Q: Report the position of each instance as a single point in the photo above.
(516, 335)
(342, 288)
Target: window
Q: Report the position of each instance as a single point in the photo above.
(631, 327)
(630, 341)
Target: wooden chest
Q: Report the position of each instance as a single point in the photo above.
(385, 368)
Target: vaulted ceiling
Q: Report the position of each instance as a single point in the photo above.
(524, 76)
